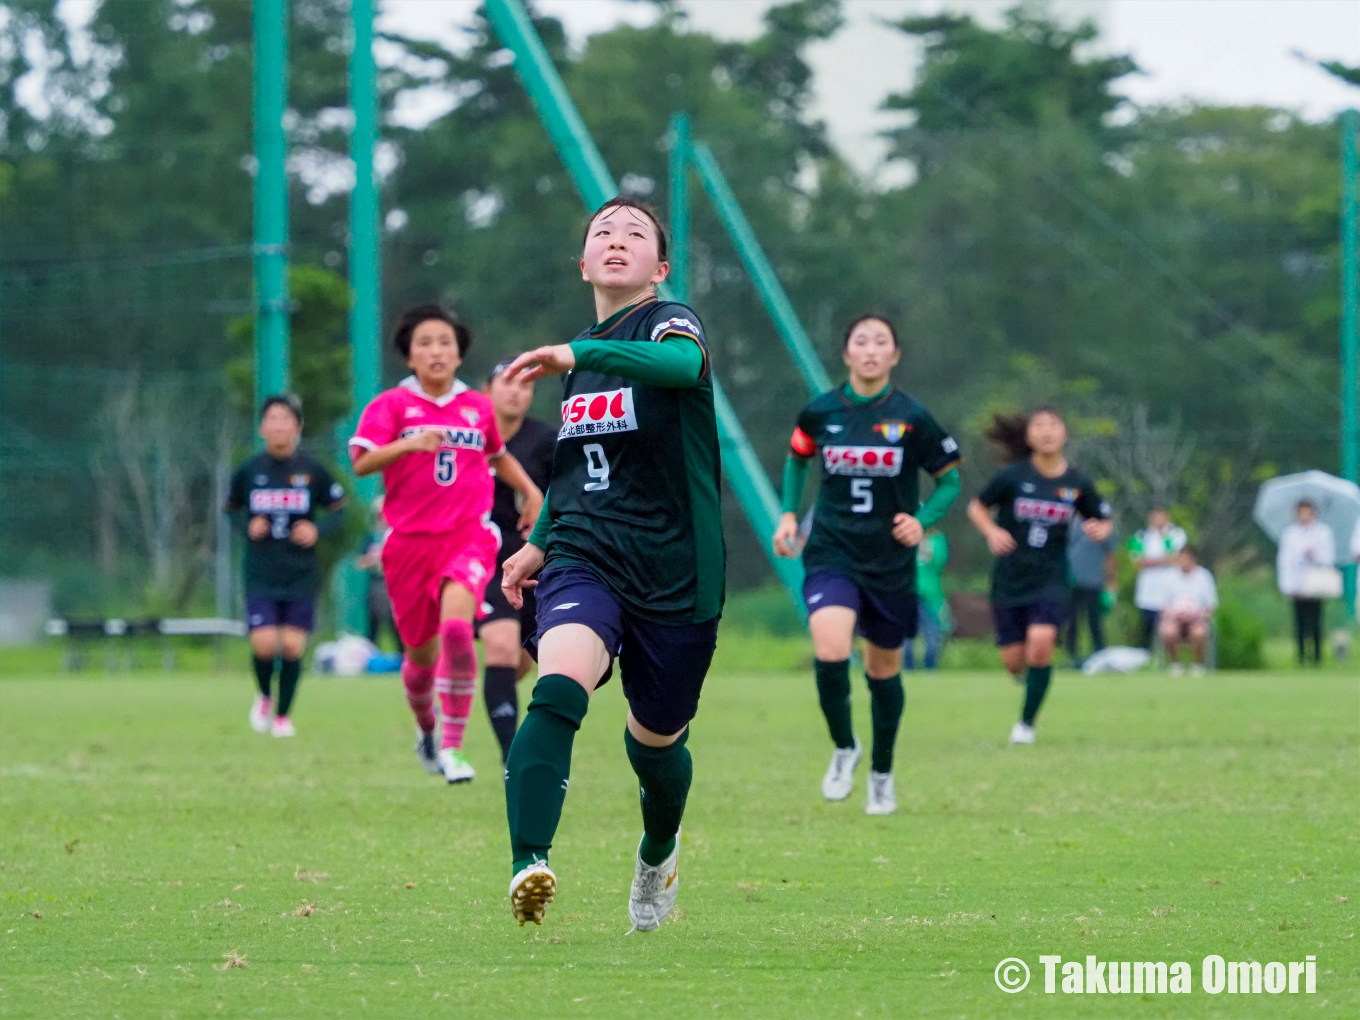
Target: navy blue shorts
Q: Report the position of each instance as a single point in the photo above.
(1013, 622)
(885, 619)
(662, 667)
(266, 612)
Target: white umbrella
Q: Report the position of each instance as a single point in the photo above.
(1337, 502)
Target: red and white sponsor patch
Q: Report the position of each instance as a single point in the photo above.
(1043, 511)
(598, 414)
(863, 461)
(296, 501)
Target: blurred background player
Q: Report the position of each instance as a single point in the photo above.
(860, 558)
(503, 626)
(379, 602)
(434, 439)
(935, 621)
(1191, 598)
(1094, 574)
(1153, 551)
(275, 494)
(632, 539)
(1037, 496)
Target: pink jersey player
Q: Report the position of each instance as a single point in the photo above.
(436, 443)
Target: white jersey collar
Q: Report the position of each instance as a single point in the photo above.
(412, 385)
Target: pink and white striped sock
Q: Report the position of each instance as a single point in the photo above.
(455, 679)
(419, 684)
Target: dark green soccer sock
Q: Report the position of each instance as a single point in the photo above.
(886, 701)
(539, 766)
(264, 674)
(1036, 686)
(664, 775)
(833, 691)
(289, 671)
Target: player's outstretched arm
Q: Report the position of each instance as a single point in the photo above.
(367, 462)
(512, 473)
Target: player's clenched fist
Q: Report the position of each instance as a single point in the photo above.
(258, 528)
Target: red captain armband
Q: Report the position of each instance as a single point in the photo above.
(802, 444)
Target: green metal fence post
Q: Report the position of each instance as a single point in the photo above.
(762, 274)
(270, 23)
(365, 279)
(680, 159)
(1350, 321)
(596, 185)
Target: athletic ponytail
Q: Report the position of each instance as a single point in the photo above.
(1010, 433)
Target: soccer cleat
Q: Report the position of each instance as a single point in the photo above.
(531, 890)
(882, 796)
(1177, 669)
(426, 754)
(259, 714)
(1022, 733)
(654, 890)
(455, 766)
(840, 774)
(1197, 670)
(282, 726)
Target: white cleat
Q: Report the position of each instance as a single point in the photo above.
(282, 726)
(882, 796)
(654, 891)
(426, 753)
(840, 774)
(455, 766)
(1022, 733)
(531, 891)
(1197, 670)
(259, 714)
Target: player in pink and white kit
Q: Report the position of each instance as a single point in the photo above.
(433, 439)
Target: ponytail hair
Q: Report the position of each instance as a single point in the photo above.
(1009, 433)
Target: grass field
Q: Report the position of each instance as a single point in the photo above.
(146, 833)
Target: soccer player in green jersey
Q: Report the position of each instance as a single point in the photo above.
(631, 547)
(1035, 496)
(860, 557)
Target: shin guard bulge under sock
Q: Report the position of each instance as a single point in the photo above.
(455, 679)
(419, 684)
(664, 775)
(1036, 686)
(290, 670)
(539, 767)
(886, 701)
(833, 692)
(264, 674)
(502, 704)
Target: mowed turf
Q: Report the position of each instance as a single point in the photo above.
(146, 834)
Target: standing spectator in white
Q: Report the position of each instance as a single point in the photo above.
(1306, 569)
(1153, 551)
(1191, 598)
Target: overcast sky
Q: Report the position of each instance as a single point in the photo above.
(1216, 51)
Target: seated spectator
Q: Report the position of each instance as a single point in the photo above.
(1191, 598)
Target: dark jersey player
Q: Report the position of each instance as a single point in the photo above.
(276, 494)
(1036, 496)
(630, 542)
(503, 627)
(860, 557)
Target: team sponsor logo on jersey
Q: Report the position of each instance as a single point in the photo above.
(459, 439)
(469, 415)
(261, 479)
(414, 412)
(892, 431)
(299, 481)
(673, 325)
(863, 461)
(598, 414)
(1043, 511)
(1027, 487)
(280, 501)
(833, 429)
(1068, 495)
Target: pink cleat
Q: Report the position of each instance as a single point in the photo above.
(282, 727)
(259, 714)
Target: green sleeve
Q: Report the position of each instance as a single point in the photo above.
(795, 477)
(539, 536)
(946, 491)
(676, 361)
